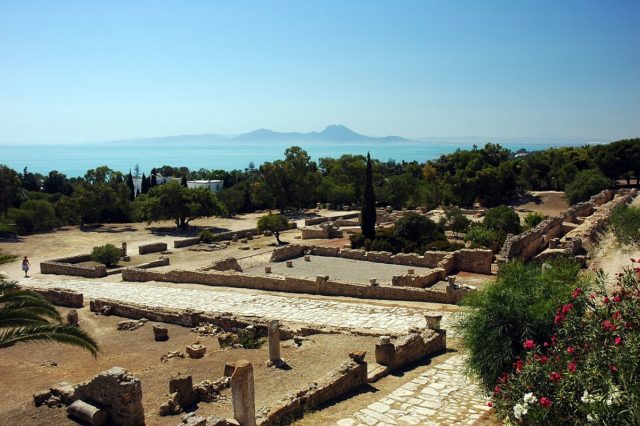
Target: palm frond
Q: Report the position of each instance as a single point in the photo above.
(14, 317)
(56, 333)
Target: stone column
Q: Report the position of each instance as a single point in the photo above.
(72, 318)
(243, 394)
(274, 341)
(124, 249)
(84, 412)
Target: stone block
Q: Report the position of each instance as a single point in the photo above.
(183, 387)
(160, 333)
(196, 351)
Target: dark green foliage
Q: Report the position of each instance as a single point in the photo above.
(26, 317)
(456, 220)
(480, 236)
(206, 236)
(131, 187)
(502, 219)
(173, 201)
(275, 223)
(368, 220)
(33, 216)
(9, 188)
(183, 181)
(532, 219)
(57, 182)
(417, 228)
(107, 254)
(586, 184)
(625, 224)
(144, 184)
(30, 181)
(519, 305)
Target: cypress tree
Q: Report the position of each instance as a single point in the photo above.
(183, 182)
(153, 181)
(368, 213)
(144, 185)
(131, 187)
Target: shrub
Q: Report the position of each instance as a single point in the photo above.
(533, 219)
(587, 371)
(206, 236)
(585, 184)
(357, 241)
(503, 219)
(519, 305)
(625, 224)
(417, 228)
(481, 236)
(107, 254)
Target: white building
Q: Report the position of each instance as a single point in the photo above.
(211, 185)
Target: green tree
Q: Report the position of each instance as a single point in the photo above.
(26, 317)
(183, 181)
(519, 305)
(131, 187)
(275, 223)
(9, 188)
(625, 224)
(586, 184)
(503, 219)
(368, 213)
(56, 182)
(173, 201)
(417, 228)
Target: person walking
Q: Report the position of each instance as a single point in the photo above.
(25, 266)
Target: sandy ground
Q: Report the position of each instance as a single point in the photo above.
(25, 368)
(348, 270)
(549, 203)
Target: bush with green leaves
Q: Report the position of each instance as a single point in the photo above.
(586, 372)
(206, 236)
(585, 184)
(107, 254)
(417, 228)
(532, 219)
(502, 219)
(519, 305)
(625, 224)
(480, 236)
(275, 223)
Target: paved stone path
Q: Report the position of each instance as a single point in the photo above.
(440, 396)
(375, 318)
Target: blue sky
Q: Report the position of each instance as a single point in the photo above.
(93, 71)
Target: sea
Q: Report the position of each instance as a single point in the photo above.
(75, 159)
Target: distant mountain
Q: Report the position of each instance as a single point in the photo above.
(332, 133)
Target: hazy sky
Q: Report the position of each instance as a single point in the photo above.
(88, 71)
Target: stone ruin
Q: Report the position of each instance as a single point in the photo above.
(323, 230)
(113, 397)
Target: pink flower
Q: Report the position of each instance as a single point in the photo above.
(617, 315)
(572, 367)
(567, 308)
(613, 368)
(618, 341)
(576, 293)
(545, 344)
(489, 404)
(608, 325)
(570, 350)
(518, 365)
(545, 402)
(605, 299)
(497, 390)
(617, 299)
(529, 344)
(554, 376)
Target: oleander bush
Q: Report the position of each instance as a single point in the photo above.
(625, 224)
(588, 370)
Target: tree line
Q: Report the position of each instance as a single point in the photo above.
(491, 175)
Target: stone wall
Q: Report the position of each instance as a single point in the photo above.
(416, 346)
(319, 220)
(419, 281)
(152, 248)
(528, 244)
(186, 242)
(118, 392)
(162, 261)
(348, 377)
(287, 252)
(295, 285)
(227, 264)
(310, 233)
(59, 268)
(477, 261)
(62, 297)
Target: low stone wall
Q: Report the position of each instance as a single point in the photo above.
(58, 268)
(163, 261)
(73, 259)
(227, 264)
(152, 248)
(416, 346)
(419, 281)
(313, 233)
(348, 377)
(186, 242)
(320, 285)
(190, 318)
(62, 297)
(477, 261)
(319, 220)
(287, 252)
